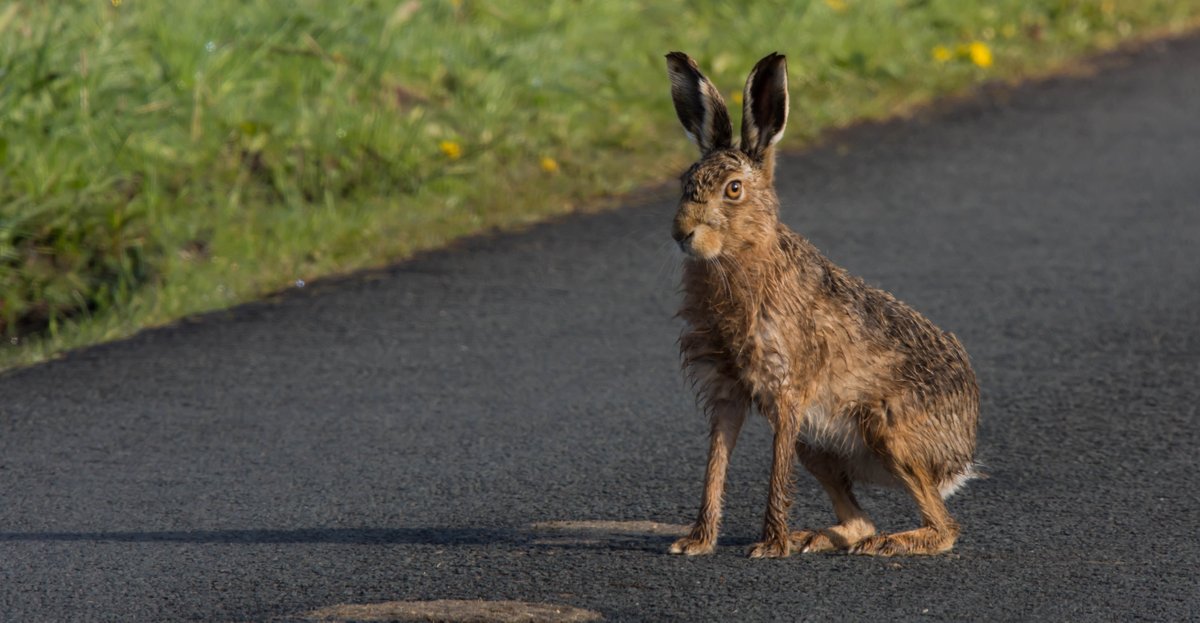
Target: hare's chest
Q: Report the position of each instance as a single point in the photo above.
(766, 364)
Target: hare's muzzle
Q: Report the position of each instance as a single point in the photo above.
(684, 240)
(683, 230)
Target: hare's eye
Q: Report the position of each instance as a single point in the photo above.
(733, 190)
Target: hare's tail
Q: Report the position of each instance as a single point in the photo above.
(951, 484)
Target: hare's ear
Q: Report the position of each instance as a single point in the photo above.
(765, 106)
(698, 104)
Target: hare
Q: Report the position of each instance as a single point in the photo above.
(857, 385)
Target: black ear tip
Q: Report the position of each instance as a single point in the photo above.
(680, 61)
(776, 58)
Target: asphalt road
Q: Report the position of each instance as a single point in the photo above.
(397, 435)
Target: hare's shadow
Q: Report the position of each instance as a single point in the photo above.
(522, 538)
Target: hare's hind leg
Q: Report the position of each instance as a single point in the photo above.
(727, 413)
(853, 524)
(937, 532)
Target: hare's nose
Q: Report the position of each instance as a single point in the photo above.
(685, 242)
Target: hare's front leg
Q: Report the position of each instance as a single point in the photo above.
(776, 539)
(726, 412)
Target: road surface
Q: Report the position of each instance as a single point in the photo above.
(505, 419)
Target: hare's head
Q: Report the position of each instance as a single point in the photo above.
(729, 200)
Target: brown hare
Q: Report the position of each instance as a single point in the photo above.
(857, 385)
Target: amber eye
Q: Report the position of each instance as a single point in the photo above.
(733, 190)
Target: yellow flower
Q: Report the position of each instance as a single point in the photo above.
(116, 3)
(942, 53)
(838, 6)
(452, 149)
(737, 97)
(980, 54)
(549, 165)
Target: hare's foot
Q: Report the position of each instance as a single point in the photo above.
(692, 545)
(811, 541)
(922, 541)
(834, 538)
(772, 548)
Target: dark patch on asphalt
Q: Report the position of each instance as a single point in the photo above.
(455, 611)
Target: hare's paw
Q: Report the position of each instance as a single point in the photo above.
(812, 541)
(920, 542)
(879, 545)
(691, 546)
(775, 548)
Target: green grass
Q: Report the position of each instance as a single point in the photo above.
(159, 159)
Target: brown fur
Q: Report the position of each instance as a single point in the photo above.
(855, 384)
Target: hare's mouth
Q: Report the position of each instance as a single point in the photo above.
(701, 242)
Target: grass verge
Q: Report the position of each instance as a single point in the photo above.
(163, 159)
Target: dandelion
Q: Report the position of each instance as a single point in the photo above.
(942, 53)
(837, 6)
(116, 3)
(737, 97)
(452, 149)
(980, 54)
(549, 165)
